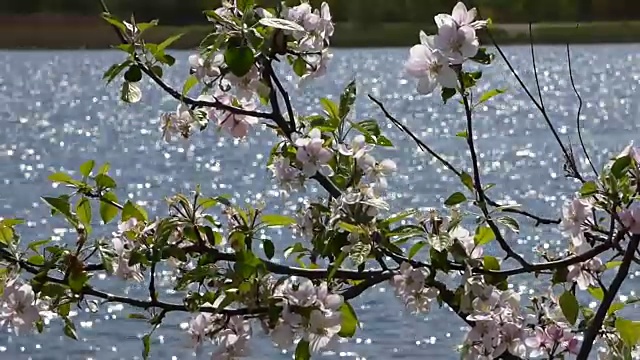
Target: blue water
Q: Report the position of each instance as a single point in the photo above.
(56, 112)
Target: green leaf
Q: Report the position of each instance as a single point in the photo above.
(483, 57)
(274, 220)
(467, 180)
(239, 60)
(189, 84)
(615, 307)
(134, 74)
(510, 222)
(629, 331)
(283, 24)
(490, 94)
(347, 99)
(620, 166)
(299, 66)
(107, 211)
(114, 21)
(589, 188)
(83, 211)
(115, 70)
(491, 263)
(463, 134)
(612, 264)
(6, 234)
(447, 93)
(37, 244)
(70, 329)
(455, 199)
(131, 210)
(269, 248)
(36, 260)
(484, 235)
(130, 93)
(77, 280)
(146, 346)
(87, 167)
(11, 222)
(330, 108)
(596, 292)
(104, 181)
(137, 316)
(157, 69)
(165, 44)
(349, 321)
(59, 204)
(302, 351)
(60, 177)
(416, 248)
(64, 309)
(569, 306)
(336, 265)
(383, 141)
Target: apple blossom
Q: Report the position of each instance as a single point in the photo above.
(233, 339)
(584, 273)
(574, 214)
(299, 291)
(288, 177)
(313, 155)
(18, 308)
(238, 125)
(464, 17)
(357, 148)
(431, 68)
(376, 172)
(321, 329)
(456, 42)
(198, 329)
(179, 123)
(630, 218)
(206, 67)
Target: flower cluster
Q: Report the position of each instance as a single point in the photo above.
(551, 341)
(18, 308)
(312, 43)
(498, 321)
(123, 247)
(434, 60)
(309, 312)
(409, 286)
(231, 334)
(357, 205)
(374, 171)
(312, 154)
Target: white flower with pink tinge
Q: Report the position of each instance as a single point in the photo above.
(18, 308)
(313, 155)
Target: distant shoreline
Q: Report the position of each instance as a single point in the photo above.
(82, 32)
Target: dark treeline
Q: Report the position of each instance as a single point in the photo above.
(182, 12)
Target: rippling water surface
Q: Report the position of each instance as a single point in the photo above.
(56, 112)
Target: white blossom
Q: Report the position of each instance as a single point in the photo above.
(233, 339)
(18, 308)
(377, 172)
(630, 218)
(456, 42)
(198, 328)
(431, 68)
(206, 67)
(238, 125)
(583, 274)
(464, 17)
(313, 155)
(288, 177)
(321, 329)
(299, 291)
(357, 148)
(574, 215)
(179, 123)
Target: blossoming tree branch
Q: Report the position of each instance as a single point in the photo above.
(232, 289)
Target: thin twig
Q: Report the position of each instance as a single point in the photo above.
(480, 196)
(535, 68)
(580, 104)
(424, 147)
(538, 105)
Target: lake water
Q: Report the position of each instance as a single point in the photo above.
(56, 112)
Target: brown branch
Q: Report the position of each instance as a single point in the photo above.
(480, 196)
(596, 324)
